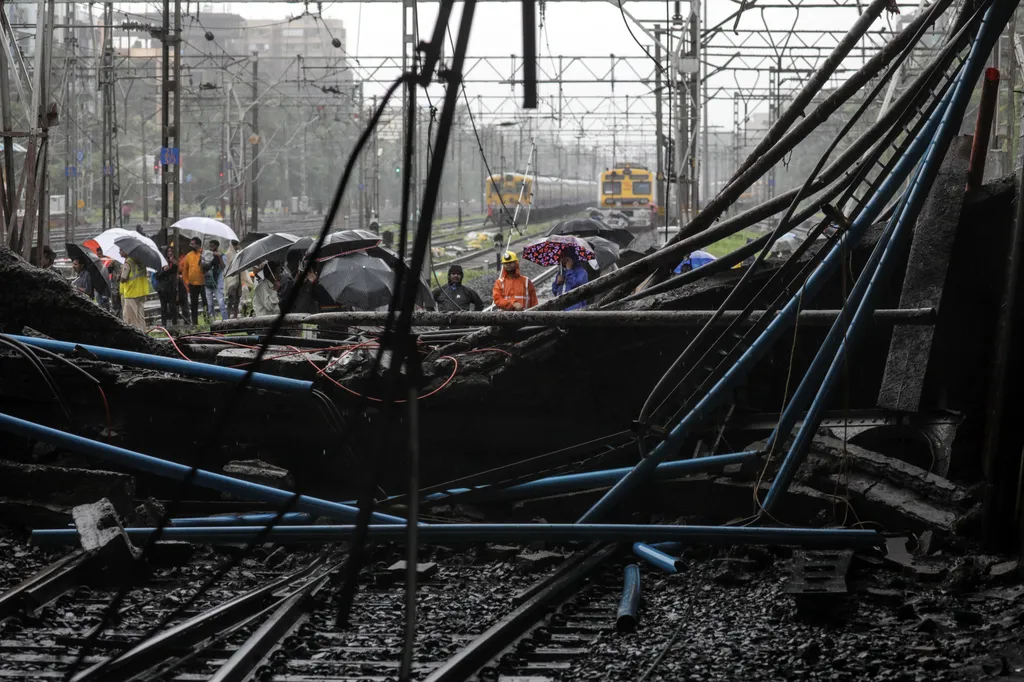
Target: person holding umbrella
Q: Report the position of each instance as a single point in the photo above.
(167, 289)
(82, 280)
(134, 289)
(570, 275)
(513, 290)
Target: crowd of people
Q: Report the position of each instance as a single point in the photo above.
(512, 290)
(193, 283)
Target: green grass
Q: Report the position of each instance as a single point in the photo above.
(730, 243)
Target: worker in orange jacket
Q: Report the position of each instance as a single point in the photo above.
(190, 267)
(513, 290)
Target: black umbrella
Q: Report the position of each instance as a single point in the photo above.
(357, 280)
(98, 274)
(364, 282)
(608, 252)
(588, 227)
(140, 251)
(273, 247)
(345, 241)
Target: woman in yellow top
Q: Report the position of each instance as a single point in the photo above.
(134, 289)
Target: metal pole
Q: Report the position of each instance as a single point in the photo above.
(176, 179)
(435, 533)
(576, 318)
(255, 168)
(165, 118)
(5, 113)
(983, 129)
(659, 132)
(145, 170)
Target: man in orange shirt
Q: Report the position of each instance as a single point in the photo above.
(513, 290)
(195, 279)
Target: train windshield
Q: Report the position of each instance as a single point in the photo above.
(612, 188)
(641, 188)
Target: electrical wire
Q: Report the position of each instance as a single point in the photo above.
(224, 416)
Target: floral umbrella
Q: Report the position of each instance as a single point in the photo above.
(548, 250)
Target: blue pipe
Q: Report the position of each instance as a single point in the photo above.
(782, 322)
(290, 518)
(819, 538)
(596, 479)
(917, 194)
(626, 619)
(205, 479)
(816, 371)
(187, 368)
(656, 557)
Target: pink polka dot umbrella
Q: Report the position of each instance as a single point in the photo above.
(547, 251)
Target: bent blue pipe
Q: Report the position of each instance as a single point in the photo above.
(917, 194)
(179, 472)
(261, 519)
(782, 322)
(596, 479)
(199, 370)
(629, 604)
(818, 538)
(816, 371)
(657, 558)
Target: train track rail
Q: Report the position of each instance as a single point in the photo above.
(273, 619)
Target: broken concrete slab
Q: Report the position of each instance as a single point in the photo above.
(103, 538)
(258, 471)
(281, 361)
(65, 486)
(40, 495)
(909, 357)
(42, 299)
(913, 478)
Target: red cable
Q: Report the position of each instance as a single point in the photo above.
(173, 343)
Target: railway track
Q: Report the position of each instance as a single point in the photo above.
(273, 619)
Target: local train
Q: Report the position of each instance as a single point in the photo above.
(541, 192)
(628, 188)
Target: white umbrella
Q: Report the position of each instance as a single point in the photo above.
(207, 226)
(105, 240)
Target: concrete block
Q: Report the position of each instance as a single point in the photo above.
(258, 471)
(103, 538)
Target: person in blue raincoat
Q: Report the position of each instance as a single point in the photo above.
(570, 276)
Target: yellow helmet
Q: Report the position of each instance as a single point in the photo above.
(509, 257)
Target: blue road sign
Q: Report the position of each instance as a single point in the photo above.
(70, 171)
(360, 187)
(188, 178)
(169, 156)
(80, 155)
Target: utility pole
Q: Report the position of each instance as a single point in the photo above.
(145, 169)
(408, 47)
(376, 166)
(255, 139)
(362, 168)
(224, 178)
(659, 132)
(170, 155)
(458, 168)
(70, 168)
(107, 85)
